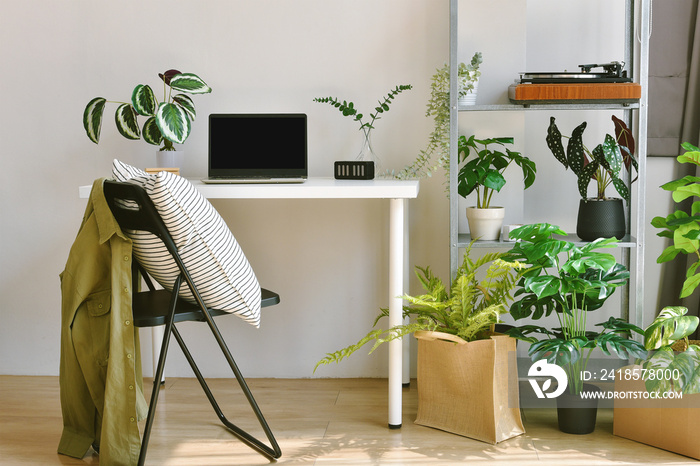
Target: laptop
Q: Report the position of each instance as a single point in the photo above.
(257, 148)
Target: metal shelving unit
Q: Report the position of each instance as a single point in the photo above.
(637, 12)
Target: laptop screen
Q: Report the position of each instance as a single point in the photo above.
(253, 145)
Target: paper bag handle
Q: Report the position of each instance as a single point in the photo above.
(432, 336)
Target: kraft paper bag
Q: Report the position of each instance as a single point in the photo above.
(469, 389)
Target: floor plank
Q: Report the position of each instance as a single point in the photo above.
(316, 422)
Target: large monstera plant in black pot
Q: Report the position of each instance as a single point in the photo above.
(607, 164)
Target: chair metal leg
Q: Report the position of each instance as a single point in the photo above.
(158, 376)
(274, 452)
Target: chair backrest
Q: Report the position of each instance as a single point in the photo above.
(134, 210)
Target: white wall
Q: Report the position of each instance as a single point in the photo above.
(258, 56)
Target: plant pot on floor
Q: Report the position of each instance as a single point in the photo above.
(468, 388)
(600, 219)
(576, 414)
(485, 224)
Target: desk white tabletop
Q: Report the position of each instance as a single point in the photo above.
(312, 188)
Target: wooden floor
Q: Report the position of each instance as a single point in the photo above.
(316, 422)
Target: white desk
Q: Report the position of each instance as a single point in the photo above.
(398, 192)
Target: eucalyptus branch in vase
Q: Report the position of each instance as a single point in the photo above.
(348, 109)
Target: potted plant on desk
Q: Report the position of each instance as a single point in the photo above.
(483, 174)
(454, 327)
(168, 121)
(570, 282)
(598, 216)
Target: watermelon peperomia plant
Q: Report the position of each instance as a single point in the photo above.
(168, 121)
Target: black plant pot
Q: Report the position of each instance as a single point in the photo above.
(577, 415)
(600, 219)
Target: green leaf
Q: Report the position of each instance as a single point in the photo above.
(151, 133)
(621, 188)
(187, 104)
(554, 143)
(190, 83)
(584, 178)
(668, 254)
(689, 285)
(144, 101)
(173, 122)
(613, 157)
(92, 118)
(671, 325)
(684, 192)
(576, 154)
(127, 125)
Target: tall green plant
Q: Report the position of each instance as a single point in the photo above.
(569, 281)
(467, 309)
(168, 121)
(681, 227)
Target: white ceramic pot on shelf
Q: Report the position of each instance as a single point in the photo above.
(485, 224)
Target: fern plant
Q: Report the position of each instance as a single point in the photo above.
(468, 309)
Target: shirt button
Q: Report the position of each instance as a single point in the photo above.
(126, 258)
(127, 322)
(128, 355)
(132, 419)
(131, 387)
(126, 289)
(99, 306)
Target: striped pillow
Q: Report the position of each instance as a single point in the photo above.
(218, 267)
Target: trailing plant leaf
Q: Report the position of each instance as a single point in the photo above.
(92, 118)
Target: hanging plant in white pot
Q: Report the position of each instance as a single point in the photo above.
(168, 121)
(483, 174)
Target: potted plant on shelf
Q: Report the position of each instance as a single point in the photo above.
(598, 216)
(168, 121)
(366, 152)
(683, 227)
(437, 153)
(454, 328)
(483, 174)
(569, 281)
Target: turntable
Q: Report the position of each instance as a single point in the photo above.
(608, 85)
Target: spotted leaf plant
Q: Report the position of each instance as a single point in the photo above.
(603, 164)
(167, 121)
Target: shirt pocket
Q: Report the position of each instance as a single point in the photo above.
(99, 305)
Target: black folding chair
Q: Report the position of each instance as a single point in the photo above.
(162, 307)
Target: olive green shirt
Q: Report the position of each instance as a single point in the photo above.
(100, 373)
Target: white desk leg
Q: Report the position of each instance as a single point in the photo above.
(396, 274)
(406, 280)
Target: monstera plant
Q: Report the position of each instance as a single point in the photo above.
(168, 121)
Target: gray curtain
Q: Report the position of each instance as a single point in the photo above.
(674, 109)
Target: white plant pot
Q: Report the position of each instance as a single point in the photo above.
(170, 159)
(485, 224)
(470, 97)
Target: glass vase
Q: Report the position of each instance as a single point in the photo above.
(367, 154)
